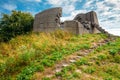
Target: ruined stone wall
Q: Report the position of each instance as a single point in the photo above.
(82, 30)
(74, 27)
(48, 20)
(88, 20)
(92, 17)
(80, 17)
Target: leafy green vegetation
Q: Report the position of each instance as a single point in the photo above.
(101, 64)
(81, 62)
(46, 78)
(15, 24)
(23, 56)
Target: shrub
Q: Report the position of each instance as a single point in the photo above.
(76, 75)
(15, 24)
(86, 46)
(90, 70)
(40, 68)
(113, 52)
(101, 57)
(28, 72)
(58, 74)
(74, 38)
(47, 62)
(82, 61)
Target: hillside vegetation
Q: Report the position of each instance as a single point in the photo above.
(101, 64)
(23, 56)
(59, 55)
(14, 24)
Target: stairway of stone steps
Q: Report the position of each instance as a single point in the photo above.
(50, 72)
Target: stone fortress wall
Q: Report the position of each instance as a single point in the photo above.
(49, 20)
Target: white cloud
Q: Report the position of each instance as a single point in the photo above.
(113, 2)
(68, 9)
(9, 6)
(88, 3)
(62, 2)
(108, 13)
(68, 6)
(32, 0)
(73, 14)
(38, 0)
(114, 31)
(55, 2)
(109, 9)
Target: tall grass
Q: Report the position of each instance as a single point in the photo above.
(101, 64)
(26, 54)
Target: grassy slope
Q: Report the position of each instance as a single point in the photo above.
(102, 64)
(24, 55)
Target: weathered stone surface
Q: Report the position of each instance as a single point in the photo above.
(88, 20)
(75, 27)
(71, 26)
(48, 20)
(94, 20)
(80, 17)
(89, 17)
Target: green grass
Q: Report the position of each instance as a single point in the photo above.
(25, 55)
(101, 64)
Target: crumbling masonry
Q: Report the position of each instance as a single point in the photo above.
(49, 20)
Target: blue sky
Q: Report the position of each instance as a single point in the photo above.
(108, 11)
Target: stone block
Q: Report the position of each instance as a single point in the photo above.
(47, 20)
(88, 20)
(74, 27)
(80, 17)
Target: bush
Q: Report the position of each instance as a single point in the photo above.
(90, 70)
(15, 24)
(113, 52)
(46, 78)
(82, 61)
(29, 71)
(102, 57)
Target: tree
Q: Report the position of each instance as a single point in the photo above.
(15, 24)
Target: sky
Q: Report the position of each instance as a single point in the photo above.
(108, 11)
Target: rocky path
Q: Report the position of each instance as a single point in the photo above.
(49, 72)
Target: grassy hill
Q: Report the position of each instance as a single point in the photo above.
(27, 56)
(103, 63)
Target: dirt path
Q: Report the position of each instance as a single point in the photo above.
(49, 72)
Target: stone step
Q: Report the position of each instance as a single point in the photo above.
(65, 64)
(58, 69)
(72, 61)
